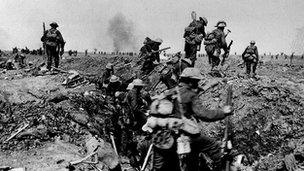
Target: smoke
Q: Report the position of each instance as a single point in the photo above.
(298, 42)
(122, 32)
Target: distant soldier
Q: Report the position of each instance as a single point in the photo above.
(54, 45)
(251, 58)
(86, 52)
(194, 35)
(215, 41)
(291, 58)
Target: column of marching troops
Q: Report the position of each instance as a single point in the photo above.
(168, 122)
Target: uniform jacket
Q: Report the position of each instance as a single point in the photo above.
(193, 106)
(53, 37)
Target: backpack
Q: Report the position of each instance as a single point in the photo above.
(51, 37)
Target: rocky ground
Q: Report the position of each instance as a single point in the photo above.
(58, 121)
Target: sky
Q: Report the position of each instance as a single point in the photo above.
(84, 24)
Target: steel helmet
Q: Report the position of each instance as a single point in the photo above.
(252, 42)
(114, 79)
(158, 40)
(130, 86)
(193, 73)
(221, 24)
(147, 40)
(54, 24)
(138, 82)
(109, 66)
(204, 19)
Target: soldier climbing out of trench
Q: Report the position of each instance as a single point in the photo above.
(194, 35)
(214, 42)
(54, 45)
(185, 103)
(251, 59)
(103, 81)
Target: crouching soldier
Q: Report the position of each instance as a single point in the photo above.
(251, 59)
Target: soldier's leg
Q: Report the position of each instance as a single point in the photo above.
(254, 66)
(49, 57)
(56, 58)
(208, 146)
(248, 67)
(193, 54)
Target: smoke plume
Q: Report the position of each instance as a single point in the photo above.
(298, 42)
(122, 32)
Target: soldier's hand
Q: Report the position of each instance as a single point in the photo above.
(228, 110)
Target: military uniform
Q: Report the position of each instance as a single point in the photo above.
(194, 34)
(192, 107)
(251, 58)
(214, 42)
(147, 57)
(54, 44)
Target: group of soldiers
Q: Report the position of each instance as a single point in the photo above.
(167, 118)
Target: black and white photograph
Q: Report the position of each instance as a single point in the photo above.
(151, 85)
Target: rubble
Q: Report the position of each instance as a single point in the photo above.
(268, 120)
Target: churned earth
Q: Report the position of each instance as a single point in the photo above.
(267, 123)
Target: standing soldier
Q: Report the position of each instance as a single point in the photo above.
(54, 44)
(251, 58)
(291, 58)
(215, 41)
(194, 34)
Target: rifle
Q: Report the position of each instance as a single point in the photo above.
(227, 146)
(226, 54)
(43, 45)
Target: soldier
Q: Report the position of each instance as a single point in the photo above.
(103, 81)
(251, 58)
(291, 58)
(155, 47)
(54, 45)
(146, 56)
(194, 34)
(215, 41)
(191, 106)
(138, 102)
(114, 86)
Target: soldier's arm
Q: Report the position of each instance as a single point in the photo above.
(60, 38)
(223, 42)
(204, 114)
(256, 52)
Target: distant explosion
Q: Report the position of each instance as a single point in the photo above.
(298, 42)
(122, 31)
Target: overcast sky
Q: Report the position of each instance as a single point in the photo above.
(83, 23)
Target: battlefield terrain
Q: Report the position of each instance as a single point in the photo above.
(58, 121)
